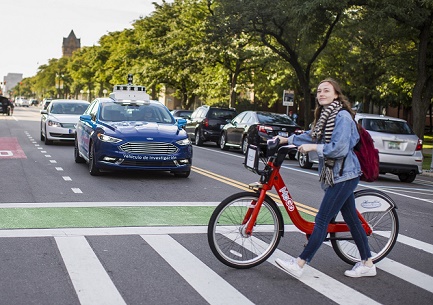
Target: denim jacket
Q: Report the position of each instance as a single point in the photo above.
(343, 140)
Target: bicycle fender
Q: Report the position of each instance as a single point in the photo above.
(370, 200)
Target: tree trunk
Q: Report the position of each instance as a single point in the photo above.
(423, 90)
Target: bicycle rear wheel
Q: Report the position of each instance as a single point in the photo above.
(227, 238)
(378, 209)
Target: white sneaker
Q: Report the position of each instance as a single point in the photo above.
(360, 270)
(291, 266)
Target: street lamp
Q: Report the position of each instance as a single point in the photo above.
(81, 92)
(105, 92)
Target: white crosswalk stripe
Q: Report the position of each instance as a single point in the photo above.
(93, 284)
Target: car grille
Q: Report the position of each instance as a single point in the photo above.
(62, 135)
(155, 164)
(153, 148)
(69, 125)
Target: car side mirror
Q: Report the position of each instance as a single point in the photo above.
(44, 111)
(181, 123)
(85, 117)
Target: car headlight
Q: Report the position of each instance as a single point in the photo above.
(105, 138)
(185, 141)
(54, 123)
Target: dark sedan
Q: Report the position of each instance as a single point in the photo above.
(256, 127)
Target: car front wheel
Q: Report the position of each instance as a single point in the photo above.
(93, 168)
(245, 145)
(223, 142)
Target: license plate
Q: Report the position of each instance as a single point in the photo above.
(394, 145)
(283, 133)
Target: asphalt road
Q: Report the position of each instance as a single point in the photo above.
(140, 238)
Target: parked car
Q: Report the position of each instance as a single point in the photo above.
(132, 133)
(59, 120)
(181, 113)
(256, 127)
(400, 149)
(206, 122)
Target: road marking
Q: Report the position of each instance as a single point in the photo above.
(76, 190)
(53, 161)
(91, 282)
(67, 178)
(204, 280)
(60, 169)
(11, 149)
(48, 156)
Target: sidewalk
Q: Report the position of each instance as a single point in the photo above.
(429, 173)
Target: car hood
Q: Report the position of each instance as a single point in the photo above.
(64, 118)
(137, 129)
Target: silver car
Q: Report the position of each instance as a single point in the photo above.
(400, 149)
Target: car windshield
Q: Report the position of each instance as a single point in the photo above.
(118, 112)
(69, 108)
(388, 126)
(224, 114)
(274, 118)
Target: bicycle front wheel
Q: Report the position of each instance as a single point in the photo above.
(226, 231)
(378, 209)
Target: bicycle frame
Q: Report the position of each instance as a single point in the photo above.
(271, 178)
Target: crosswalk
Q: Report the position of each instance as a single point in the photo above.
(94, 281)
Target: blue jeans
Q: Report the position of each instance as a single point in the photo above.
(337, 198)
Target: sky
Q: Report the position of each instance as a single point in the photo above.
(33, 30)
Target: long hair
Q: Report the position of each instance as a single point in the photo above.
(341, 97)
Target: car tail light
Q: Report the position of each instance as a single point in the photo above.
(206, 122)
(419, 145)
(265, 129)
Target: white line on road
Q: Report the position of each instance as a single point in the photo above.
(92, 283)
(204, 280)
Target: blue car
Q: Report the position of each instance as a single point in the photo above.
(128, 131)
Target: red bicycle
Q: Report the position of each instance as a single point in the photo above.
(246, 228)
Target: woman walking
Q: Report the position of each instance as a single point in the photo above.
(333, 136)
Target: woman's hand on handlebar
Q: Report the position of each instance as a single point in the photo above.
(304, 148)
(283, 140)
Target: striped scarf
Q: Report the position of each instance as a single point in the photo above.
(324, 128)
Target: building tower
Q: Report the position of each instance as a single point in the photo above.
(70, 44)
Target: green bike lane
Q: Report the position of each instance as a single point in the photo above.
(121, 214)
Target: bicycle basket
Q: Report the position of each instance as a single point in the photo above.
(252, 159)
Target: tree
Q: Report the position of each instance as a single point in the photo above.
(298, 31)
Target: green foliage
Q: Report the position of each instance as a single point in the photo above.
(244, 53)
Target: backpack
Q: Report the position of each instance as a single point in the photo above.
(368, 155)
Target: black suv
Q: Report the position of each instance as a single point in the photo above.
(6, 107)
(206, 123)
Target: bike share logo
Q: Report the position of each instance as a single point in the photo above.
(288, 201)
(371, 204)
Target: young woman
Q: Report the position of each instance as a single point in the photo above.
(333, 135)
